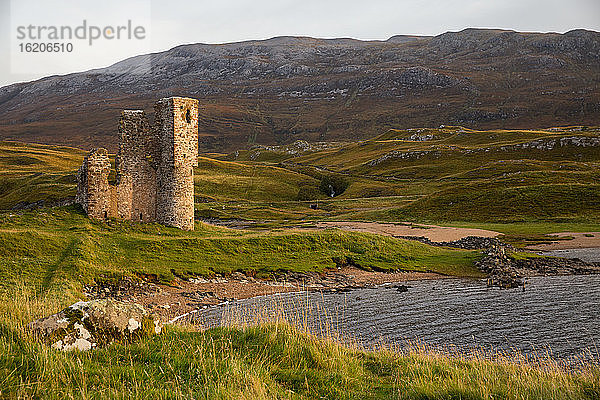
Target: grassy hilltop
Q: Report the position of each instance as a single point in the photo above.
(457, 174)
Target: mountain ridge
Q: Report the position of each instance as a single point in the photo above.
(287, 88)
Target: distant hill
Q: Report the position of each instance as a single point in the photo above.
(284, 89)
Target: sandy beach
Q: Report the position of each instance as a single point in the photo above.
(187, 295)
(434, 233)
(580, 240)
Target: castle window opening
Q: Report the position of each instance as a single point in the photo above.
(188, 117)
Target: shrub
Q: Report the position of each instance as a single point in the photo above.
(333, 185)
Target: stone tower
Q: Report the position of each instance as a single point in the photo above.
(176, 131)
(154, 168)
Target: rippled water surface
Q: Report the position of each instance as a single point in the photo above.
(557, 313)
(585, 254)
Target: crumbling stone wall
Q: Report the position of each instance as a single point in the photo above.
(154, 168)
(93, 190)
(136, 174)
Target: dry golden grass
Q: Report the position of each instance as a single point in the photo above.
(268, 355)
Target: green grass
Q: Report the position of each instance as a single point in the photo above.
(223, 180)
(461, 175)
(58, 249)
(540, 202)
(266, 360)
(47, 255)
(30, 173)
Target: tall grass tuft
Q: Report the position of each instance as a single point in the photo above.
(267, 356)
(286, 348)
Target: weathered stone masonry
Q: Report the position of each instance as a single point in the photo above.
(93, 191)
(177, 136)
(154, 168)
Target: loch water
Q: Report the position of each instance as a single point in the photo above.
(557, 316)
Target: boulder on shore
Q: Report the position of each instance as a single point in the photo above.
(91, 324)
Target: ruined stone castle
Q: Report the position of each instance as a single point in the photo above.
(154, 168)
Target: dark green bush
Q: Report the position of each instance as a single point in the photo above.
(333, 185)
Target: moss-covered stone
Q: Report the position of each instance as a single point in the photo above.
(95, 323)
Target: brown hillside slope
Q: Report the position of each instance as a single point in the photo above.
(288, 88)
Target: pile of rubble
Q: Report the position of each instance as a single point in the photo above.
(125, 288)
(507, 271)
(499, 268)
(467, 243)
(329, 281)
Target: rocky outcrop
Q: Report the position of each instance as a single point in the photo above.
(296, 148)
(495, 263)
(545, 144)
(499, 268)
(405, 155)
(125, 289)
(467, 243)
(550, 144)
(92, 324)
(556, 266)
(507, 271)
(328, 281)
(504, 268)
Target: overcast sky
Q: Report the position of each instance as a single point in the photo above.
(170, 23)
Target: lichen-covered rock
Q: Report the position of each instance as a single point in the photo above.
(90, 324)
